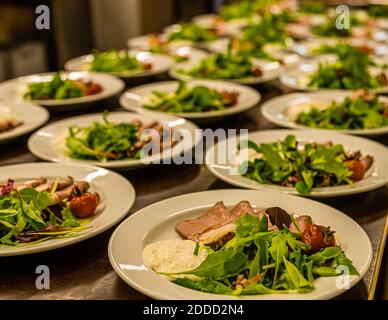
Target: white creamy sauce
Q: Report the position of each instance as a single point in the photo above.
(173, 256)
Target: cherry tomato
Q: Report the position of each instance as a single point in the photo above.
(357, 168)
(94, 88)
(84, 205)
(318, 237)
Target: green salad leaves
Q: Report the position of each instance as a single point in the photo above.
(192, 32)
(283, 163)
(350, 71)
(362, 112)
(224, 66)
(104, 141)
(199, 98)
(259, 261)
(27, 217)
(57, 89)
(117, 62)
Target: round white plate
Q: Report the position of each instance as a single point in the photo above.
(157, 222)
(193, 54)
(160, 64)
(277, 51)
(375, 177)
(299, 78)
(284, 109)
(33, 116)
(49, 143)
(117, 194)
(135, 98)
(271, 71)
(14, 90)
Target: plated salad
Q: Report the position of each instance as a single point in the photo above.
(228, 66)
(199, 98)
(114, 61)
(270, 29)
(292, 164)
(351, 70)
(38, 210)
(191, 32)
(60, 88)
(248, 252)
(361, 111)
(105, 140)
(329, 29)
(8, 122)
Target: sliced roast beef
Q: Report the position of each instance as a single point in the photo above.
(215, 216)
(243, 207)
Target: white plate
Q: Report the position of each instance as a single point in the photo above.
(117, 194)
(49, 143)
(299, 78)
(142, 43)
(157, 222)
(13, 90)
(271, 71)
(277, 51)
(33, 116)
(160, 64)
(375, 177)
(283, 110)
(135, 98)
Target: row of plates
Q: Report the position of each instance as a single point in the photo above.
(156, 222)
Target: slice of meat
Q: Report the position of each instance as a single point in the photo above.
(215, 216)
(31, 183)
(62, 183)
(218, 234)
(243, 207)
(302, 222)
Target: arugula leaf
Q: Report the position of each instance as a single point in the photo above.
(220, 263)
(326, 254)
(294, 276)
(342, 260)
(205, 285)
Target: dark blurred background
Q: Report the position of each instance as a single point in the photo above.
(77, 26)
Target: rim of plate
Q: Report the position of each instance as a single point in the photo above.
(147, 221)
(269, 75)
(376, 177)
(129, 99)
(81, 64)
(24, 111)
(41, 143)
(117, 209)
(277, 106)
(111, 86)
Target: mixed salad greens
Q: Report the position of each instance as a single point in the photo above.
(192, 32)
(224, 66)
(350, 71)
(270, 29)
(329, 28)
(360, 112)
(313, 7)
(198, 98)
(104, 141)
(60, 89)
(378, 11)
(260, 261)
(114, 61)
(28, 216)
(284, 163)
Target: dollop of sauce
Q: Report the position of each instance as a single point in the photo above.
(173, 256)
